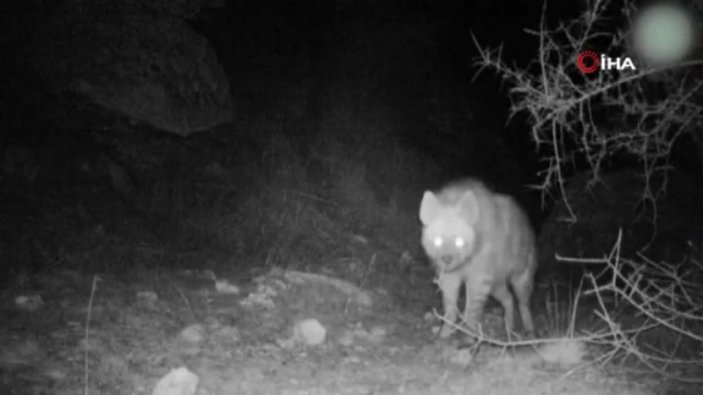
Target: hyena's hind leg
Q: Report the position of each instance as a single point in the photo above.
(522, 285)
(477, 290)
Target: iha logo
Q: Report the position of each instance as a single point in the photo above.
(589, 62)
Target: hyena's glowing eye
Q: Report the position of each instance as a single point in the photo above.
(437, 241)
(459, 242)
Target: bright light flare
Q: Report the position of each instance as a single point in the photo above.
(664, 33)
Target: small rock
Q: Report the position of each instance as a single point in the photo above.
(29, 302)
(360, 239)
(364, 299)
(263, 297)
(179, 381)
(225, 287)
(309, 332)
(193, 333)
(228, 334)
(286, 344)
(564, 352)
(462, 357)
(354, 359)
(377, 334)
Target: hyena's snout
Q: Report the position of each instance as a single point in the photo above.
(447, 259)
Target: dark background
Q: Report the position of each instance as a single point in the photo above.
(361, 105)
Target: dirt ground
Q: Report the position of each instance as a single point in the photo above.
(108, 295)
(120, 333)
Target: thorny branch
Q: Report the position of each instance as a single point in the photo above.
(664, 299)
(578, 119)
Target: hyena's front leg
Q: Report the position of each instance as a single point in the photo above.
(449, 284)
(477, 290)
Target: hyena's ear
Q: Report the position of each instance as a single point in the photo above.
(429, 208)
(469, 206)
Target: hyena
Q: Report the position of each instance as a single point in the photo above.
(483, 240)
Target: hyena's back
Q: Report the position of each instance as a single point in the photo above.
(499, 251)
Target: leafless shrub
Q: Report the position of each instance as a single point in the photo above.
(648, 311)
(664, 304)
(576, 118)
(651, 312)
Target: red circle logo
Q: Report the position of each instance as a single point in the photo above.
(588, 62)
